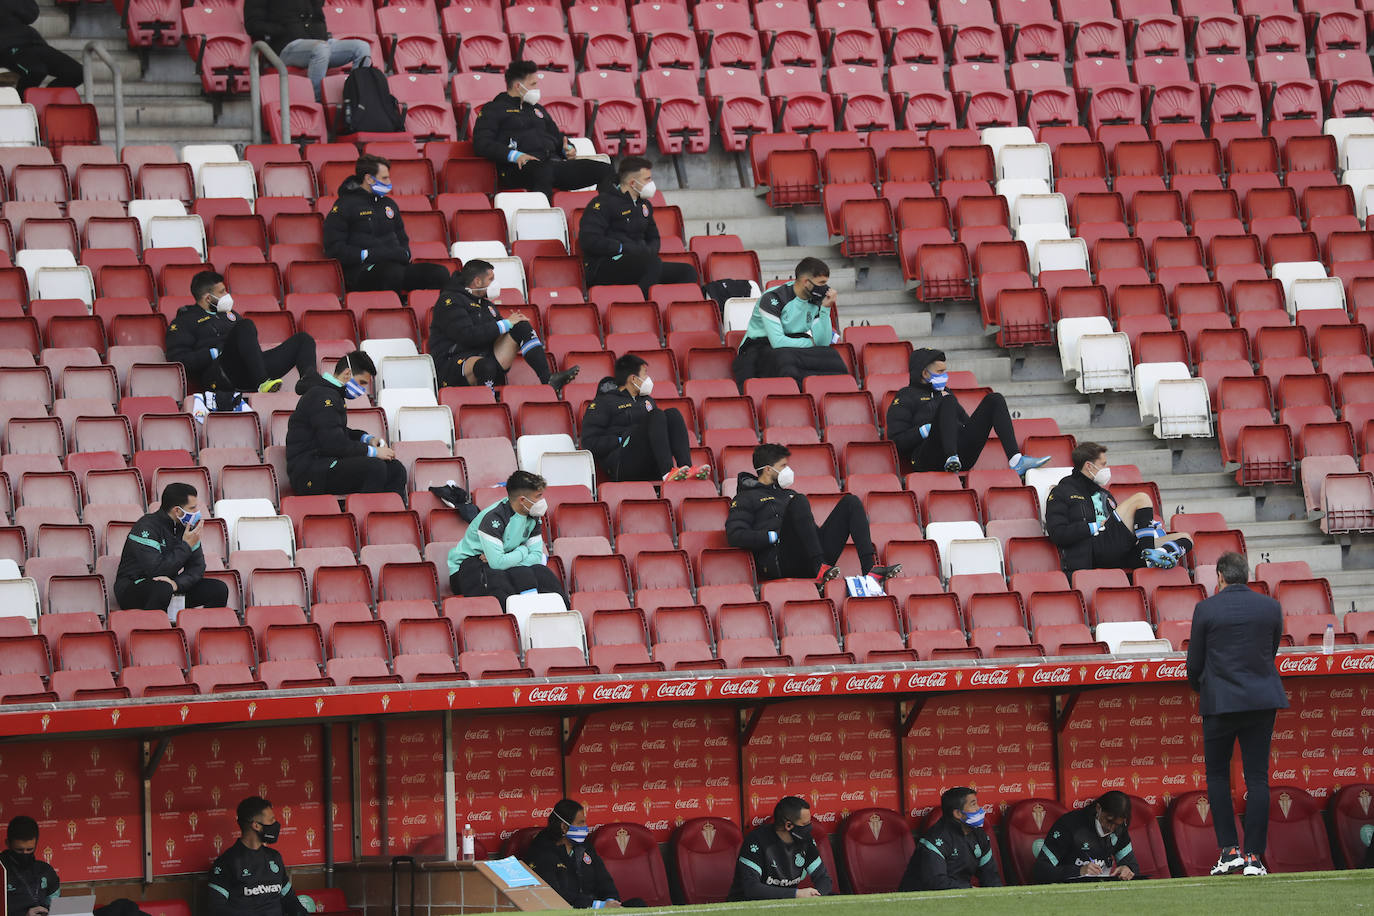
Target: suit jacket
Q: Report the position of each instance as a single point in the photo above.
(1231, 652)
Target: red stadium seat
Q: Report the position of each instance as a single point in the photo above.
(1026, 824)
(705, 850)
(877, 844)
(633, 859)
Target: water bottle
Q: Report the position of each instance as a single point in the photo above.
(1329, 640)
(469, 844)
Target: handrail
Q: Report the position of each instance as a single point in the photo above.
(264, 50)
(92, 50)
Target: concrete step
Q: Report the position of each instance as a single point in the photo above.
(175, 113)
(52, 23)
(717, 205)
(142, 134)
(130, 67)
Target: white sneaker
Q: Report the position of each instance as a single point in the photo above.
(1230, 861)
(1253, 866)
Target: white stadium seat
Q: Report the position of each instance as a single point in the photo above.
(554, 630)
(227, 179)
(1059, 254)
(404, 371)
(1184, 408)
(19, 598)
(1328, 293)
(1067, 332)
(1286, 272)
(999, 137)
(391, 400)
(571, 468)
(176, 232)
(521, 607)
(1025, 161)
(18, 125)
(529, 449)
(425, 424)
(1043, 480)
(270, 532)
(230, 511)
(1051, 209)
(1147, 377)
(942, 533)
(1104, 363)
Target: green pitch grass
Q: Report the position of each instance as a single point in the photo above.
(1319, 892)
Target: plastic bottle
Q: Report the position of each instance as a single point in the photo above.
(1329, 640)
(469, 844)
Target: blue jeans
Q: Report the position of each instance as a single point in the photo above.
(317, 57)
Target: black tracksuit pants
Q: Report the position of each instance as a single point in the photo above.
(654, 446)
(803, 545)
(366, 475)
(402, 278)
(563, 174)
(1254, 730)
(36, 62)
(948, 436)
(644, 270)
(247, 365)
(475, 579)
(152, 595)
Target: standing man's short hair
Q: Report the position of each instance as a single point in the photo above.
(369, 164)
(21, 829)
(812, 267)
(1233, 568)
(789, 808)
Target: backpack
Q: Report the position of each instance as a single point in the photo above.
(368, 105)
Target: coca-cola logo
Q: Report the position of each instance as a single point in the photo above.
(1114, 782)
(1011, 788)
(1312, 714)
(1142, 761)
(791, 718)
(680, 689)
(851, 716)
(512, 793)
(927, 680)
(1008, 748)
(872, 682)
(593, 747)
(1051, 676)
(1109, 703)
(655, 744)
(509, 753)
(684, 723)
(1314, 753)
(851, 796)
(713, 782)
(950, 752)
(879, 734)
(414, 820)
(997, 677)
(921, 772)
(478, 775)
(543, 731)
(413, 738)
(924, 731)
(613, 692)
(479, 815)
(624, 807)
(1079, 725)
(592, 788)
(1007, 709)
(1342, 732)
(1285, 774)
(548, 695)
(1142, 721)
(1083, 765)
(537, 772)
(1346, 693)
(623, 766)
(414, 779)
(1115, 673)
(1353, 663)
(852, 755)
(656, 825)
(1115, 741)
(655, 785)
(622, 727)
(981, 769)
(1172, 700)
(802, 685)
(718, 741)
(1284, 735)
(685, 804)
(1171, 740)
(1174, 780)
(981, 728)
(1171, 671)
(477, 734)
(882, 774)
(747, 688)
(1039, 726)
(1292, 665)
(787, 760)
(1344, 772)
(686, 763)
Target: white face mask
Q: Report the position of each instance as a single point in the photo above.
(538, 508)
(646, 386)
(532, 96)
(649, 189)
(784, 478)
(225, 303)
(1103, 478)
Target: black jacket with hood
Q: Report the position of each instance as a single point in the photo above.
(609, 419)
(16, 24)
(1069, 510)
(280, 22)
(756, 510)
(915, 405)
(362, 221)
(317, 435)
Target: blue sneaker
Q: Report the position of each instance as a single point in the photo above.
(1025, 463)
(1160, 558)
(953, 464)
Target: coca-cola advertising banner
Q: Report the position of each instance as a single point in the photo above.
(999, 744)
(414, 783)
(202, 776)
(509, 773)
(1325, 738)
(1145, 740)
(840, 755)
(658, 766)
(85, 797)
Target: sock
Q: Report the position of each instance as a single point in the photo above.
(1011, 462)
(532, 351)
(1145, 524)
(1178, 546)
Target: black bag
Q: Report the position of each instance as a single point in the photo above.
(723, 290)
(368, 105)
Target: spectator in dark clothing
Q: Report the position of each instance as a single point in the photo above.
(365, 233)
(1092, 842)
(1231, 648)
(220, 349)
(630, 436)
(929, 425)
(322, 454)
(250, 878)
(790, 334)
(297, 31)
(955, 850)
(562, 856)
(775, 523)
(778, 857)
(162, 557)
(30, 883)
(473, 345)
(25, 52)
(1090, 528)
(514, 131)
(618, 235)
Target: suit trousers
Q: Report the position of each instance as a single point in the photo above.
(1253, 729)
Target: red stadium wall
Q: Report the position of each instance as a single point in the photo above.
(653, 764)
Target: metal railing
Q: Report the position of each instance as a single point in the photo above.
(89, 53)
(262, 49)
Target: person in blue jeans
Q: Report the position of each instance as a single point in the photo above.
(296, 30)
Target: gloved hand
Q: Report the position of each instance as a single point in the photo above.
(772, 537)
(925, 431)
(1095, 529)
(214, 352)
(363, 255)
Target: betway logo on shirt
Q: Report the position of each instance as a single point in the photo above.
(261, 889)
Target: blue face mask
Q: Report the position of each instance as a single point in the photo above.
(381, 190)
(190, 521)
(975, 819)
(351, 388)
(578, 834)
(938, 382)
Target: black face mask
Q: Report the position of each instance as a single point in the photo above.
(270, 833)
(818, 294)
(801, 832)
(24, 860)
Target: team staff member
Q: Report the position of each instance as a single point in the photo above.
(25, 51)
(365, 233)
(220, 349)
(630, 436)
(514, 131)
(250, 878)
(473, 345)
(778, 856)
(322, 454)
(790, 333)
(502, 553)
(1090, 528)
(561, 855)
(162, 557)
(1231, 650)
(928, 424)
(775, 523)
(297, 31)
(618, 235)
(1092, 842)
(955, 850)
(30, 883)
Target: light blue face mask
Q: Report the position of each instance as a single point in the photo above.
(938, 382)
(578, 834)
(190, 521)
(975, 819)
(381, 190)
(351, 388)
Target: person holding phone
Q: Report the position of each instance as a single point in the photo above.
(162, 557)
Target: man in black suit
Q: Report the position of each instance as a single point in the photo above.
(1231, 664)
